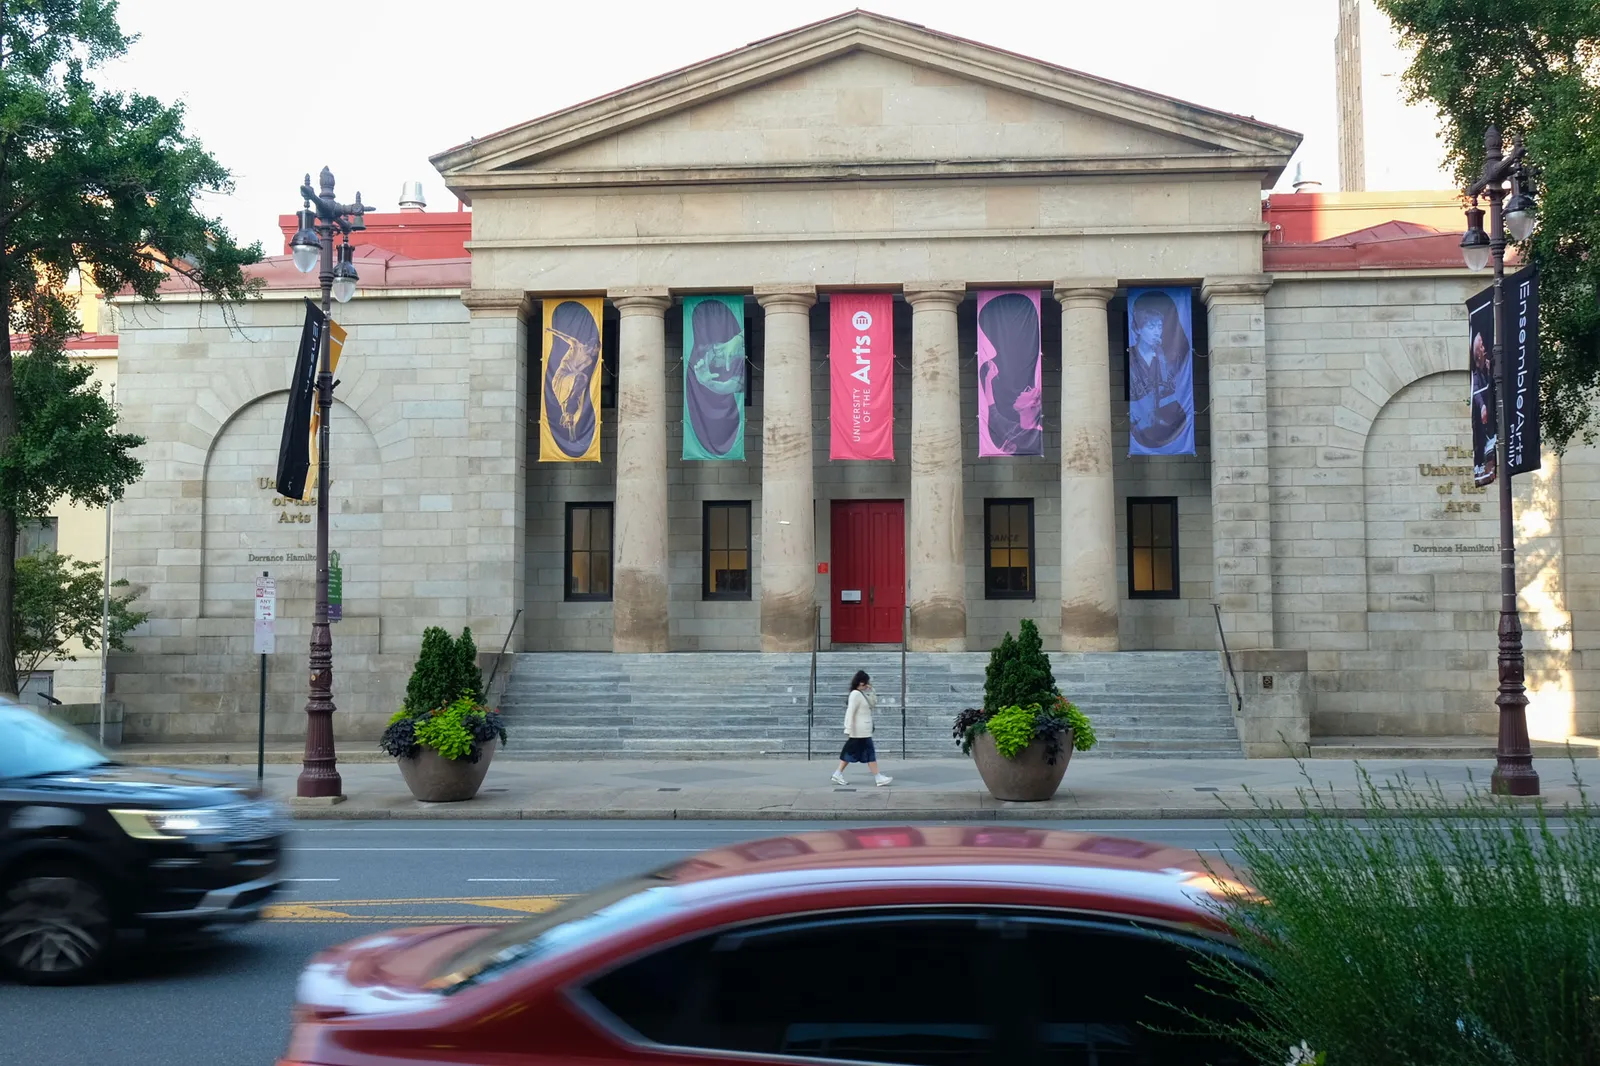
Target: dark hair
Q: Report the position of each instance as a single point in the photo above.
(860, 679)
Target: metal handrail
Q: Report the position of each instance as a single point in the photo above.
(905, 630)
(811, 696)
(1228, 658)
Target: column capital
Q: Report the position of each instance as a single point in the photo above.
(641, 301)
(795, 298)
(1235, 288)
(497, 301)
(1085, 292)
(935, 294)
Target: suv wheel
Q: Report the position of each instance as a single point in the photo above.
(55, 926)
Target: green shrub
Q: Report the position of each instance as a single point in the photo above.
(1019, 673)
(458, 731)
(445, 671)
(1433, 929)
(1012, 729)
(1020, 694)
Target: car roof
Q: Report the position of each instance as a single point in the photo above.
(951, 847)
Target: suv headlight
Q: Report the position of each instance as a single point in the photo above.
(170, 825)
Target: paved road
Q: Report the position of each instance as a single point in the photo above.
(228, 1005)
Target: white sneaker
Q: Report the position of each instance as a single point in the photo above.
(838, 778)
(884, 779)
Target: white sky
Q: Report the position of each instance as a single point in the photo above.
(420, 76)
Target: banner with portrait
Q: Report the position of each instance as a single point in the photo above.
(1483, 390)
(1010, 379)
(569, 407)
(861, 371)
(1160, 372)
(713, 377)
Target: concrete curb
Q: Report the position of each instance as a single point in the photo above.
(1019, 813)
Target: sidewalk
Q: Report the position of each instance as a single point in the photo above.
(944, 789)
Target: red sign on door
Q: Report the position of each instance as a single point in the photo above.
(868, 579)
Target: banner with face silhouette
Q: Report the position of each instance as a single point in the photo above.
(1160, 372)
(1010, 382)
(713, 377)
(569, 393)
(861, 358)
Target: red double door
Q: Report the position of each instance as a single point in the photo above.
(868, 571)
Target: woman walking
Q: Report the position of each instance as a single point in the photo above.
(858, 746)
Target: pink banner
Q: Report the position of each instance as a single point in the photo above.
(1010, 386)
(861, 353)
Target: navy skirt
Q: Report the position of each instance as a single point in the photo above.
(859, 749)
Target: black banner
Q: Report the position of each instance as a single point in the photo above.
(1518, 377)
(1522, 350)
(1485, 412)
(294, 451)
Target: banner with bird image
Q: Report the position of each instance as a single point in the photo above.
(713, 377)
(1010, 382)
(569, 408)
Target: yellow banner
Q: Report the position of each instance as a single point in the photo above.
(569, 388)
(336, 336)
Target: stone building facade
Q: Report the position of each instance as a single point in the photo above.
(857, 154)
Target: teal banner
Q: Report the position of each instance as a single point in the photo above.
(713, 377)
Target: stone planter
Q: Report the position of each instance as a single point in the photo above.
(434, 779)
(1028, 778)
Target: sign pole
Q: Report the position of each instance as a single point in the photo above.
(265, 643)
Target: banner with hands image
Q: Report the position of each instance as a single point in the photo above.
(1483, 395)
(569, 393)
(1160, 372)
(1010, 378)
(714, 373)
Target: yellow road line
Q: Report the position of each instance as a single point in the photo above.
(466, 908)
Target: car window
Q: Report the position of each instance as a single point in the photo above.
(31, 744)
(1130, 1000)
(891, 988)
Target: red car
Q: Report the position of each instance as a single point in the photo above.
(942, 945)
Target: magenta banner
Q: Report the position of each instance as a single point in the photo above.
(1010, 384)
(861, 356)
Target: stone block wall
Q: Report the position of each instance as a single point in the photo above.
(208, 394)
(1385, 562)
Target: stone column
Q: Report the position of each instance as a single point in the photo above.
(639, 587)
(495, 480)
(1241, 514)
(1089, 593)
(935, 560)
(788, 550)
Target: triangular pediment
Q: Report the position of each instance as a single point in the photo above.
(863, 96)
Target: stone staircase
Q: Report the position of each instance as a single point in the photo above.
(573, 705)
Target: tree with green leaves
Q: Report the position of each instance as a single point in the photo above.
(89, 180)
(1530, 68)
(59, 600)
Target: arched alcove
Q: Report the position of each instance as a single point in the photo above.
(248, 528)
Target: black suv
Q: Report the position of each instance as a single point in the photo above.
(91, 849)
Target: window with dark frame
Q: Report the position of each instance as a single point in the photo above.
(725, 550)
(1153, 548)
(35, 535)
(588, 551)
(1008, 549)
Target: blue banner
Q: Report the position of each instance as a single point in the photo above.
(1160, 372)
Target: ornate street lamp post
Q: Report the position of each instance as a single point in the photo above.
(1514, 774)
(312, 246)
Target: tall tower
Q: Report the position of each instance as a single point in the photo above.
(1352, 120)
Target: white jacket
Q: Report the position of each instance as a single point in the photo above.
(858, 714)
